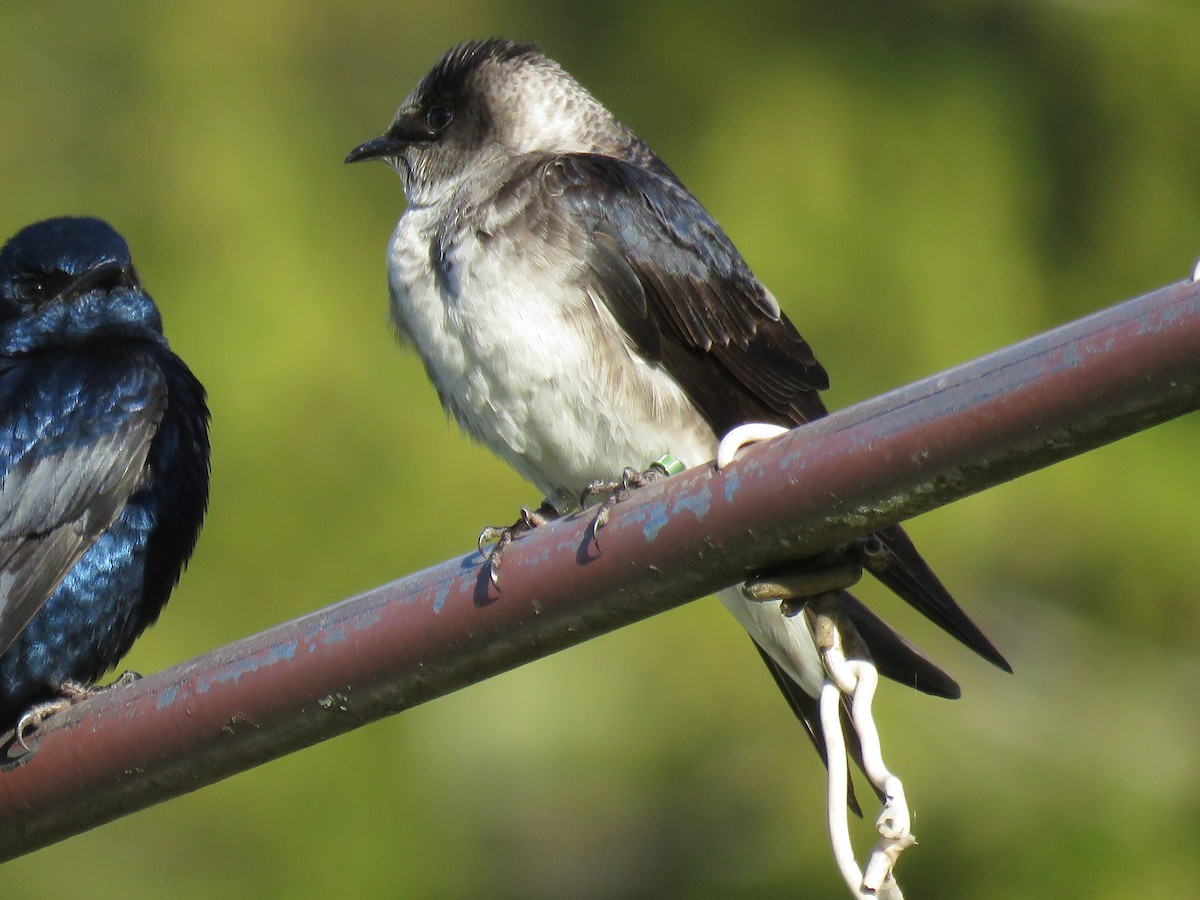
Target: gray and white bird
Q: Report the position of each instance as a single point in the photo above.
(579, 312)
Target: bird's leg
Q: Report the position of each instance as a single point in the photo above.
(500, 536)
(70, 693)
(613, 492)
(855, 679)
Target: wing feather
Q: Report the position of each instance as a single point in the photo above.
(703, 315)
(73, 446)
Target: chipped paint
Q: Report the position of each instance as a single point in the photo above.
(654, 520)
(261, 660)
(439, 599)
(698, 503)
(167, 697)
(733, 483)
(368, 618)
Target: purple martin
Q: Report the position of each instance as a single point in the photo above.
(104, 461)
(579, 312)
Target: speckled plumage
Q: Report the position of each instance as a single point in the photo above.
(103, 459)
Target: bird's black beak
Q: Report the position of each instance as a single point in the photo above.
(108, 274)
(377, 148)
(407, 128)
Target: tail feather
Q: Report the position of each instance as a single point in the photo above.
(895, 656)
(910, 577)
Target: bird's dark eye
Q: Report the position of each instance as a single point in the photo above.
(30, 287)
(33, 287)
(438, 117)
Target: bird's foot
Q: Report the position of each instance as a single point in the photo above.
(613, 492)
(125, 678)
(500, 536)
(853, 681)
(34, 717)
(70, 693)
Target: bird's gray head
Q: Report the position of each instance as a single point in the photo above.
(68, 281)
(481, 105)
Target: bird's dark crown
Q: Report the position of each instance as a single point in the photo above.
(451, 74)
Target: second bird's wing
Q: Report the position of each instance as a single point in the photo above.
(74, 437)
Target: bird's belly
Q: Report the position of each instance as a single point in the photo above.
(532, 368)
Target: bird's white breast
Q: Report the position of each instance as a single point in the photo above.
(529, 363)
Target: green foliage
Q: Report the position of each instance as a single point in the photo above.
(917, 182)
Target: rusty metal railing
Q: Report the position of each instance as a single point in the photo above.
(1019, 409)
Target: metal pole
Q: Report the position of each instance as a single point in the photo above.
(916, 448)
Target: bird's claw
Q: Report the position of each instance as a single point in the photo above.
(34, 717)
(500, 536)
(70, 693)
(125, 678)
(614, 492)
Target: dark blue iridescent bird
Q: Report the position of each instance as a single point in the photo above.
(104, 461)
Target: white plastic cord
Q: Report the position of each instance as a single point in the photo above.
(857, 679)
(739, 437)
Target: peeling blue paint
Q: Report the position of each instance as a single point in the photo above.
(236, 670)
(698, 503)
(167, 697)
(1072, 356)
(366, 620)
(656, 517)
(333, 636)
(733, 483)
(440, 599)
(794, 460)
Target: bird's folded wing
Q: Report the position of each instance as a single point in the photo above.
(675, 283)
(73, 446)
(667, 273)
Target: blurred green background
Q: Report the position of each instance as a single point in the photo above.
(918, 182)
